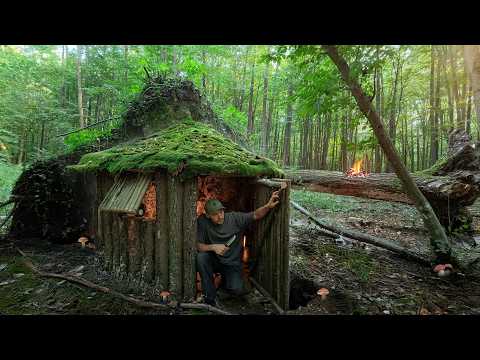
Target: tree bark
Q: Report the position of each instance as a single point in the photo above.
(459, 124)
(288, 128)
(438, 239)
(79, 86)
(393, 110)
(472, 59)
(264, 126)
(250, 102)
(434, 113)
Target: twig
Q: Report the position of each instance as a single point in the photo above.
(88, 126)
(7, 218)
(363, 237)
(267, 295)
(106, 290)
(6, 203)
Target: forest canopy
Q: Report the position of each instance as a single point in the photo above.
(288, 101)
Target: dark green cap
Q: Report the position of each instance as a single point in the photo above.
(212, 206)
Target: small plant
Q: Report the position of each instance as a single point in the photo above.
(87, 137)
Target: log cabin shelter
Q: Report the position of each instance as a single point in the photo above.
(143, 199)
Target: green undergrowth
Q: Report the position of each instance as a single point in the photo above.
(88, 137)
(9, 173)
(434, 168)
(189, 147)
(315, 200)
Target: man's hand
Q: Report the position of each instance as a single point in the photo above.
(274, 200)
(219, 249)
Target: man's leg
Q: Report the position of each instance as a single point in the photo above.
(206, 264)
(233, 279)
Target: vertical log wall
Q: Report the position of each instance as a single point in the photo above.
(270, 246)
(159, 252)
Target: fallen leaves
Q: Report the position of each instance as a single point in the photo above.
(7, 282)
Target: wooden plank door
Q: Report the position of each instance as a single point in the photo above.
(270, 243)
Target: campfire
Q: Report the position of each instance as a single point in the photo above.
(356, 170)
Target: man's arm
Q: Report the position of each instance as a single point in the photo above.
(219, 249)
(261, 212)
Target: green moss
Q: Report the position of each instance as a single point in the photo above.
(194, 146)
(434, 168)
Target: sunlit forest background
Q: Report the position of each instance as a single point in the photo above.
(287, 101)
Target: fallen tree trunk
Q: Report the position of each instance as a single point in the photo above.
(448, 195)
(363, 237)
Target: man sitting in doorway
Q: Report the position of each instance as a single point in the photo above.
(216, 228)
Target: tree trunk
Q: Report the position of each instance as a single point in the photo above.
(244, 75)
(393, 109)
(288, 128)
(264, 127)
(468, 119)
(125, 74)
(63, 90)
(447, 87)
(460, 124)
(250, 103)
(438, 238)
(79, 86)
(472, 59)
(434, 125)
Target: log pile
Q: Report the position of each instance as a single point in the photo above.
(46, 205)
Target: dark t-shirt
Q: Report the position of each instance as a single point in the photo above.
(234, 223)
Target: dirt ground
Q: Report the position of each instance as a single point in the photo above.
(360, 279)
(364, 279)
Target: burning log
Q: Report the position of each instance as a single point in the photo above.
(448, 195)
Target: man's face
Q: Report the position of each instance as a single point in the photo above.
(218, 217)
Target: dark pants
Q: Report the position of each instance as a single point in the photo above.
(208, 264)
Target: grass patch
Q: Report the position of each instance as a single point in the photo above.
(316, 200)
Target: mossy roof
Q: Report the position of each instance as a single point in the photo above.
(189, 148)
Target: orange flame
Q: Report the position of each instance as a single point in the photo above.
(357, 166)
(245, 254)
(356, 169)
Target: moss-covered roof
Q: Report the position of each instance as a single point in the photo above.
(189, 148)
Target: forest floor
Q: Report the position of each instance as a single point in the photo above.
(364, 279)
(361, 279)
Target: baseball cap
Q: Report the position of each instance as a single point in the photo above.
(212, 206)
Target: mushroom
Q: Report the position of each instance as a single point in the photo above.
(323, 292)
(164, 296)
(83, 240)
(443, 270)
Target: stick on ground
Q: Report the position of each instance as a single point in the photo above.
(363, 237)
(106, 290)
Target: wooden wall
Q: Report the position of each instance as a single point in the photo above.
(159, 252)
(270, 245)
(162, 252)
